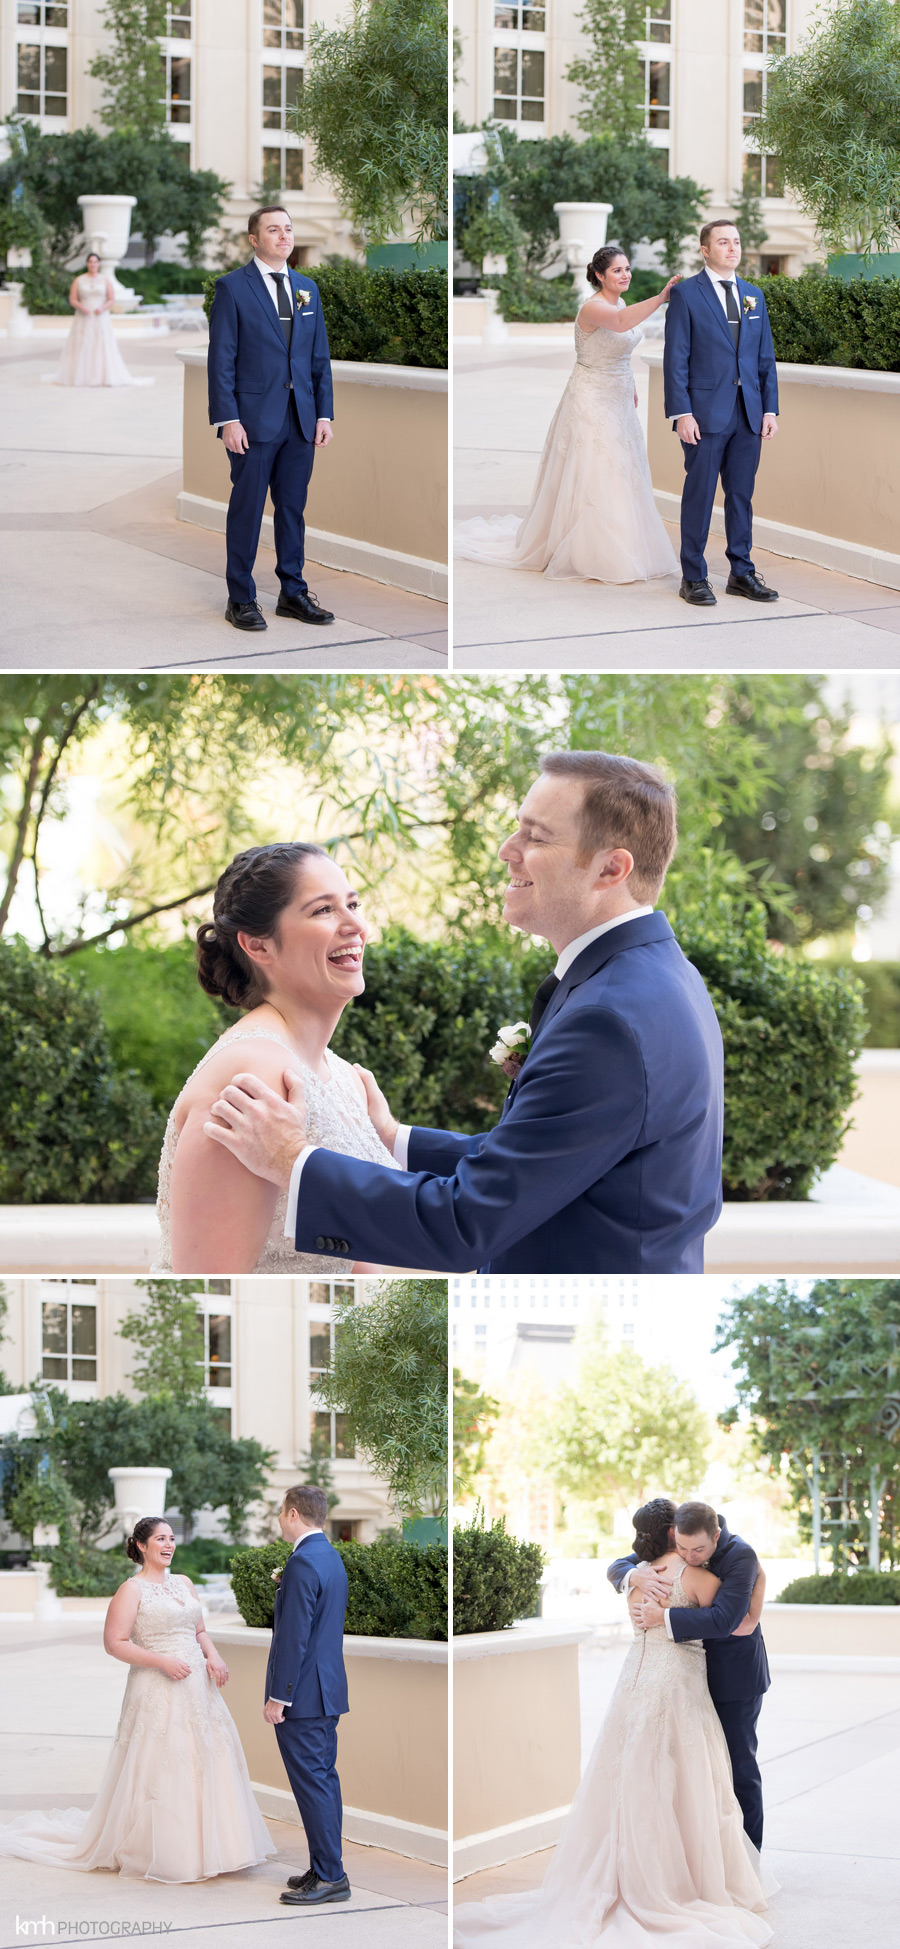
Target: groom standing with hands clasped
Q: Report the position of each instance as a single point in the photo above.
(270, 396)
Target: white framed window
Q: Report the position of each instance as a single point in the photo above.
(283, 56)
(215, 1315)
(520, 65)
(178, 20)
(177, 85)
(69, 1334)
(328, 1431)
(765, 35)
(656, 55)
(42, 61)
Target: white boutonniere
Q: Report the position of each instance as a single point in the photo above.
(276, 1576)
(303, 298)
(749, 303)
(511, 1048)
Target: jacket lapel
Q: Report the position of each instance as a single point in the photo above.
(269, 311)
(717, 309)
(630, 933)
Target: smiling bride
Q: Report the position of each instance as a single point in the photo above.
(285, 943)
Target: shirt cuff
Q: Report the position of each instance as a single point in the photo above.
(401, 1145)
(284, 1702)
(290, 1219)
(626, 1581)
(668, 1624)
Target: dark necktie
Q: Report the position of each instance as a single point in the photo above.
(285, 312)
(731, 309)
(544, 995)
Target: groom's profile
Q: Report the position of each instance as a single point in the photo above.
(607, 1156)
(270, 396)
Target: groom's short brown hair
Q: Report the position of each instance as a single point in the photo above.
(309, 1502)
(696, 1519)
(265, 210)
(627, 804)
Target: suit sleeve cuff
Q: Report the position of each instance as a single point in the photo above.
(290, 1216)
(668, 1624)
(401, 1145)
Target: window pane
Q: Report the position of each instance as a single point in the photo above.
(271, 173)
(84, 1370)
(54, 1327)
(320, 1433)
(533, 20)
(659, 84)
(344, 1290)
(293, 82)
(753, 172)
(319, 1347)
(56, 70)
(753, 93)
(56, 16)
(53, 1369)
(319, 1289)
(272, 116)
(293, 21)
(84, 1330)
(219, 1377)
(29, 13)
(659, 18)
(505, 16)
(272, 13)
(532, 74)
(293, 169)
(505, 71)
(219, 1339)
(343, 1446)
(29, 97)
(753, 26)
(181, 88)
(774, 173)
(220, 1286)
(777, 17)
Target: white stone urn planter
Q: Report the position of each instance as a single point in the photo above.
(107, 227)
(582, 230)
(139, 1492)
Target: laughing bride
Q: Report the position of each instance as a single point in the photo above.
(286, 944)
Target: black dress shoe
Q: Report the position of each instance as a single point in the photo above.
(699, 593)
(245, 615)
(752, 586)
(300, 1881)
(304, 609)
(317, 1892)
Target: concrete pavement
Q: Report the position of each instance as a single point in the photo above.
(505, 397)
(98, 574)
(61, 1697)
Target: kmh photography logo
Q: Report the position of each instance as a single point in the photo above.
(38, 1929)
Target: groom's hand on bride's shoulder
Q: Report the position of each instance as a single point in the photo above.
(265, 1133)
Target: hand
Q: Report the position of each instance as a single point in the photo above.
(687, 430)
(217, 1671)
(273, 1713)
(234, 437)
(265, 1133)
(324, 434)
(744, 1629)
(666, 290)
(769, 426)
(175, 1668)
(651, 1614)
(378, 1108)
(650, 1584)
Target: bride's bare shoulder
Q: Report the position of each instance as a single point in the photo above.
(253, 1048)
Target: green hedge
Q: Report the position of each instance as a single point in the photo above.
(496, 1578)
(863, 1587)
(157, 1017)
(395, 1589)
(153, 281)
(79, 1570)
(819, 320)
(880, 983)
(379, 316)
(528, 299)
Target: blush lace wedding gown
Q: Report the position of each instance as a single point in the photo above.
(175, 1802)
(336, 1118)
(654, 1844)
(592, 515)
(91, 356)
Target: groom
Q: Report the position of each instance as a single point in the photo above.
(721, 391)
(270, 396)
(608, 1153)
(306, 1690)
(737, 1669)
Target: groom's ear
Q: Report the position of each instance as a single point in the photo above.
(614, 867)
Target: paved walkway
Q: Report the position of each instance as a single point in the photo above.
(829, 1750)
(505, 397)
(98, 574)
(61, 1698)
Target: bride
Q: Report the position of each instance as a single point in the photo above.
(286, 943)
(175, 1803)
(592, 514)
(90, 356)
(654, 1844)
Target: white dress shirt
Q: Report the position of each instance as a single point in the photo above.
(718, 280)
(301, 1539)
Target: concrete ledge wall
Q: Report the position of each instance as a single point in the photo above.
(828, 487)
(378, 500)
(832, 1631)
(516, 1742)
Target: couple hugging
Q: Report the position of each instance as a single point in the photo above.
(607, 1155)
(663, 1836)
(175, 1803)
(592, 514)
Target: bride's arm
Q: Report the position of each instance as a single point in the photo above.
(221, 1213)
(621, 318)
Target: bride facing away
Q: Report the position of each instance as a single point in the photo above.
(175, 1803)
(654, 1845)
(285, 944)
(592, 515)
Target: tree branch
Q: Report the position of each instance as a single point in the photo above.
(133, 920)
(18, 852)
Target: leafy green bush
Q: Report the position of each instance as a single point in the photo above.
(79, 1570)
(496, 1578)
(206, 1556)
(157, 1017)
(74, 1129)
(45, 286)
(880, 983)
(379, 316)
(820, 320)
(395, 1589)
(152, 281)
(531, 300)
(863, 1587)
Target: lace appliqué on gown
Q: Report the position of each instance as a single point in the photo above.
(654, 1844)
(175, 1803)
(336, 1119)
(592, 515)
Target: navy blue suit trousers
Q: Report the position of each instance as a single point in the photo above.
(308, 1748)
(284, 465)
(734, 456)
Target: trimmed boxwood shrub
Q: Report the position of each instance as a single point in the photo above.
(863, 1587)
(74, 1129)
(496, 1578)
(880, 983)
(395, 1589)
(819, 320)
(377, 315)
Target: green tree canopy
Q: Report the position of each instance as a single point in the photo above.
(611, 73)
(172, 198)
(389, 1377)
(168, 1337)
(474, 1414)
(648, 205)
(132, 66)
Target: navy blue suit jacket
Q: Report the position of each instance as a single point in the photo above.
(250, 367)
(608, 1153)
(306, 1658)
(701, 367)
(736, 1668)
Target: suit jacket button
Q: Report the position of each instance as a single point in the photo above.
(287, 386)
(320, 1244)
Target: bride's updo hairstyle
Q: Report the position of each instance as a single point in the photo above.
(651, 1529)
(141, 1534)
(600, 263)
(249, 899)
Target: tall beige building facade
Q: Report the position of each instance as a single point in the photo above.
(230, 71)
(704, 67)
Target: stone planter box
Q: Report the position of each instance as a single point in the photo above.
(18, 1593)
(828, 488)
(392, 1745)
(516, 1741)
(844, 1637)
(378, 495)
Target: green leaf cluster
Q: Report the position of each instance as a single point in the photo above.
(880, 985)
(611, 73)
(389, 1377)
(395, 1589)
(862, 1587)
(820, 320)
(474, 1414)
(496, 1577)
(172, 198)
(168, 1339)
(132, 68)
(379, 316)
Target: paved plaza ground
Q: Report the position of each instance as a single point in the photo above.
(505, 397)
(829, 1750)
(98, 574)
(61, 1696)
